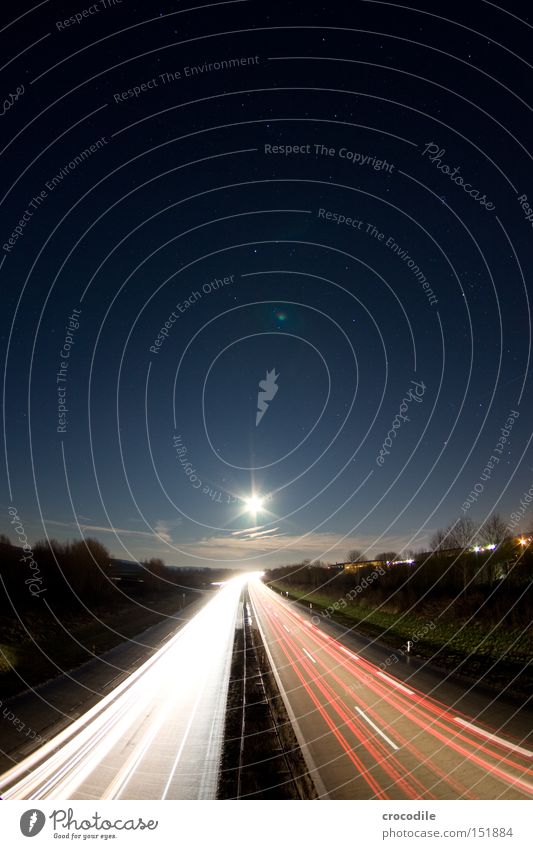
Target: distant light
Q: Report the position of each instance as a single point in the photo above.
(246, 577)
(490, 547)
(254, 503)
(476, 548)
(524, 542)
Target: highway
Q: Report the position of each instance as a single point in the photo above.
(46, 709)
(157, 735)
(366, 734)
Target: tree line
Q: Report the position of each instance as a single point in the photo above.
(76, 573)
(498, 581)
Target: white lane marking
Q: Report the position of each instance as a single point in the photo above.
(288, 630)
(352, 655)
(310, 656)
(493, 737)
(185, 735)
(395, 683)
(311, 765)
(375, 727)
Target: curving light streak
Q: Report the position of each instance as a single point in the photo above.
(347, 693)
(101, 754)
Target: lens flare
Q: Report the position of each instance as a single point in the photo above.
(254, 503)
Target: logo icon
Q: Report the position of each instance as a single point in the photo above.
(268, 389)
(32, 822)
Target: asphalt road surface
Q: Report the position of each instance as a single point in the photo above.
(406, 732)
(157, 735)
(43, 711)
(367, 734)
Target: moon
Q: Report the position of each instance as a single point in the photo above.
(254, 503)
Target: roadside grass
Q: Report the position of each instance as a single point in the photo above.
(8, 657)
(467, 648)
(25, 663)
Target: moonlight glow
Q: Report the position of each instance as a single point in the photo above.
(254, 503)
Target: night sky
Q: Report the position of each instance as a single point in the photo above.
(331, 200)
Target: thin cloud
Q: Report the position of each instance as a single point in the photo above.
(162, 530)
(246, 530)
(262, 533)
(281, 549)
(102, 529)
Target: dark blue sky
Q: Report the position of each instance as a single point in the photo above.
(202, 237)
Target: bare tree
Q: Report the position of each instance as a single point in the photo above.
(154, 570)
(440, 539)
(413, 553)
(387, 555)
(354, 556)
(462, 533)
(88, 567)
(459, 534)
(493, 531)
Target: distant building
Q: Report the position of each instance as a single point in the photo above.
(126, 571)
(360, 564)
